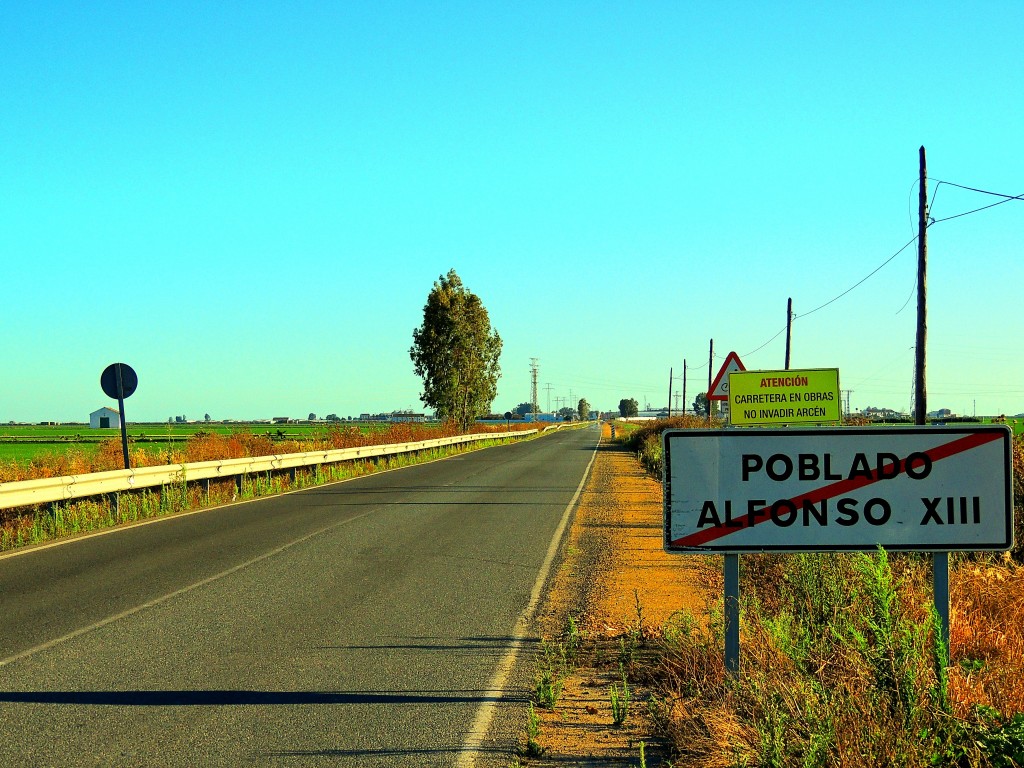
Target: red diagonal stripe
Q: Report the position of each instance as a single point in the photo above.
(843, 486)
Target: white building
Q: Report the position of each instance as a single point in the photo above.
(105, 418)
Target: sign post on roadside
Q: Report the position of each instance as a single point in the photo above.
(119, 381)
(937, 489)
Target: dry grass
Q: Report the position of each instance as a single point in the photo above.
(25, 526)
(839, 668)
(987, 636)
(204, 446)
(840, 662)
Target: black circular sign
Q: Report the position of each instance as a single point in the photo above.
(118, 380)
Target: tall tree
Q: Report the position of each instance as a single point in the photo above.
(628, 407)
(584, 409)
(456, 353)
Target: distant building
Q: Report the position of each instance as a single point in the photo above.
(407, 416)
(105, 418)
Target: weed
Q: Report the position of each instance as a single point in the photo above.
(572, 640)
(627, 650)
(640, 627)
(533, 747)
(547, 689)
(619, 700)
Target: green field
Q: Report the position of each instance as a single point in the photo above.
(22, 443)
(1016, 424)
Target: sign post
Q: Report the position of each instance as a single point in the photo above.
(937, 489)
(119, 381)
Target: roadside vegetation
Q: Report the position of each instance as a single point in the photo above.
(841, 663)
(20, 527)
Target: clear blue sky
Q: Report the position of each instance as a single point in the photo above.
(249, 202)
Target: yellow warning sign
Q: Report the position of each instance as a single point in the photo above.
(808, 396)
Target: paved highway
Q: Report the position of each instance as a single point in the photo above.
(362, 623)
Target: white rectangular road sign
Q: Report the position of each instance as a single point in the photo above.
(830, 489)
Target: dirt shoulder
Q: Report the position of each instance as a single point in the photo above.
(618, 583)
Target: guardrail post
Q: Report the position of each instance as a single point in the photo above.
(239, 478)
(206, 489)
(293, 475)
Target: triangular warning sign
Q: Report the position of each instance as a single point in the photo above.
(720, 389)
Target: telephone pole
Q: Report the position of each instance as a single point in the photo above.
(711, 361)
(534, 369)
(920, 396)
(940, 560)
(789, 329)
(684, 386)
(670, 393)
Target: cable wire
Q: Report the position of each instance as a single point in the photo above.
(930, 221)
(1006, 199)
(859, 282)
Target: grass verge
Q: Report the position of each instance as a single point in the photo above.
(19, 528)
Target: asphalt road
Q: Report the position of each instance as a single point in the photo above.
(360, 623)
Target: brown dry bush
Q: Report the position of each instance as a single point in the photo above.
(837, 666)
(987, 636)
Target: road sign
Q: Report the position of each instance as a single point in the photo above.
(720, 387)
(831, 489)
(119, 380)
(807, 396)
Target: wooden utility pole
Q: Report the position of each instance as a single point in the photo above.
(789, 328)
(711, 360)
(670, 393)
(684, 387)
(940, 560)
(920, 391)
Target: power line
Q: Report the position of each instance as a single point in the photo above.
(939, 182)
(982, 191)
(1006, 199)
(859, 282)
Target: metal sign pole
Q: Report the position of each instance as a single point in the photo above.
(732, 615)
(119, 381)
(940, 588)
(124, 425)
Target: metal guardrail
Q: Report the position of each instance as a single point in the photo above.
(25, 493)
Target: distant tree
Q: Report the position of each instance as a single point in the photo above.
(455, 351)
(206, 417)
(333, 417)
(523, 408)
(567, 413)
(628, 408)
(700, 405)
(584, 409)
(312, 417)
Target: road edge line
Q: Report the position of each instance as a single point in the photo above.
(473, 744)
